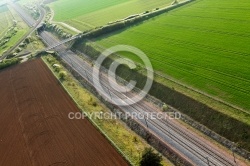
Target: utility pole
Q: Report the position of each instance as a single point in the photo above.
(109, 93)
(71, 63)
(146, 122)
(208, 163)
(233, 148)
(86, 75)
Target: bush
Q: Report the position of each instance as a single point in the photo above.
(50, 60)
(164, 107)
(150, 158)
(18, 50)
(22, 45)
(27, 40)
(62, 75)
(9, 62)
(57, 67)
(55, 29)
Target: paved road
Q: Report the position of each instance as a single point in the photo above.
(196, 149)
(25, 16)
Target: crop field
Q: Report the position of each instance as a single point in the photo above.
(21, 29)
(204, 44)
(37, 130)
(93, 13)
(6, 20)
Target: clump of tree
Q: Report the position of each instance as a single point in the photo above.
(126, 22)
(175, 2)
(18, 49)
(33, 10)
(29, 39)
(165, 107)
(62, 75)
(56, 30)
(9, 62)
(9, 34)
(118, 24)
(57, 67)
(149, 158)
(26, 41)
(51, 60)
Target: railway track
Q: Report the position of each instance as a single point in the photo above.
(187, 141)
(184, 142)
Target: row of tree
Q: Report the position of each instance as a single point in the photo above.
(9, 34)
(56, 30)
(126, 22)
(8, 62)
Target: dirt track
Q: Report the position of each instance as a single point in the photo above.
(34, 124)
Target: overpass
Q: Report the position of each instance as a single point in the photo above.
(62, 42)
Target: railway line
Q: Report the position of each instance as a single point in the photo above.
(184, 141)
(199, 153)
(193, 147)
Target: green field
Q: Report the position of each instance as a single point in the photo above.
(93, 13)
(6, 20)
(21, 28)
(24, 2)
(204, 45)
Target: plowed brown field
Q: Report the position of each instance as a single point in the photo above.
(34, 124)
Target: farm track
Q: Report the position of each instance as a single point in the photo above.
(37, 130)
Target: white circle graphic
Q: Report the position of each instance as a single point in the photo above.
(115, 92)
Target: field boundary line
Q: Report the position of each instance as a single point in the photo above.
(90, 119)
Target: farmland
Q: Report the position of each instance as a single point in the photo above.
(37, 129)
(205, 49)
(6, 20)
(93, 13)
(16, 33)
